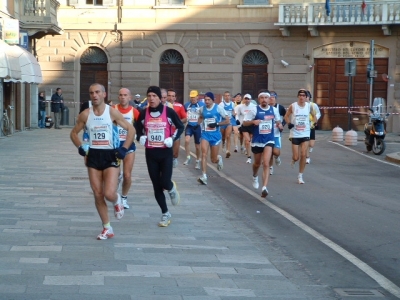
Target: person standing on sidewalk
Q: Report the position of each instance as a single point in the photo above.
(211, 116)
(193, 128)
(57, 106)
(42, 110)
(104, 154)
(298, 119)
(263, 119)
(130, 114)
(180, 110)
(154, 132)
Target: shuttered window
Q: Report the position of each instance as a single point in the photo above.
(92, 2)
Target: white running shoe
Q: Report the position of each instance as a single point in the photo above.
(308, 160)
(165, 220)
(174, 194)
(242, 150)
(174, 162)
(271, 170)
(197, 166)
(256, 185)
(264, 192)
(236, 149)
(118, 208)
(278, 161)
(125, 202)
(223, 147)
(106, 233)
(300, 179)
(248, 161)
(187, 161)
(310, 149)
(202, 179)
(220, 164)
(292, 164)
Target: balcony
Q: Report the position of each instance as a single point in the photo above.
(342, 14)
(39, 17)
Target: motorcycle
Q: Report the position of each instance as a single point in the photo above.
(375, 131)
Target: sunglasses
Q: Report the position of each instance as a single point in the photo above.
(247, 98)
(303, 95)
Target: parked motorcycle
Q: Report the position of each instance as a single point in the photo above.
(375, 130)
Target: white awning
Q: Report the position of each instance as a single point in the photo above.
(9, 62)
(30, 68)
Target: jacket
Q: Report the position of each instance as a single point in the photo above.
(42, 103)
(56, 103)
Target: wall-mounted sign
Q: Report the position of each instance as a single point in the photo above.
(11, 31)
(349, 50)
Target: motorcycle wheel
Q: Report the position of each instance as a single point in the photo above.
(380, 147)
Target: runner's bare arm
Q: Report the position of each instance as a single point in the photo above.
(80, 124)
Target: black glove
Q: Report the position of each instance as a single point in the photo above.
(212, 125)
(290, 125)
(121, 152)
(81, 151)
(237, 122)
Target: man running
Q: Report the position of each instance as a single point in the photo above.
(237, 99)
(246, 131)
(104, 155)
(192, 109)
(211, 116)
(263, 118)
(298, 119)
(154, 131)
(226, 130)
(180, 110)
(130, 114)
(312, 126)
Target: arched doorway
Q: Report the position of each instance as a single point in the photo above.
(93, 70)
(254, 73)
(171, 72)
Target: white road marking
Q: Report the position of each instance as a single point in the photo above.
(379, 278)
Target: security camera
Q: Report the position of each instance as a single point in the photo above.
(284, 63)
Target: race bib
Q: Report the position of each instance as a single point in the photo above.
(122, 133)
(100, 136)
(265, 127)
(301, 123)
(193, 116)
(209, 121)
(155, 137)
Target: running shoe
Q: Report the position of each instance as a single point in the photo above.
(106, 233)
(300, 179)
(248, 161)
(278, 161)
(308, 160)
(165, 220)
(187, 161)
(228, 154)
(174, 162)
(223, 147)
(256, 185)
(125, 202)
(220, 164)
(120, 177)
(292, 164)
(242, 150)
(236, 149)
(174, 194)
(271, 170)
(264, 192)
(118, 208)
(197, 166)
(202, 180)
(310, 149)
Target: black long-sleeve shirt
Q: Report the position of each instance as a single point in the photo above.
(173, 119)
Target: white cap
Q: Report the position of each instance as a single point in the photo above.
(137, 95)
(247, 96)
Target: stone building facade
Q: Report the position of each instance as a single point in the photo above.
(227, 45)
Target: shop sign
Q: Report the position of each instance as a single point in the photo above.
(11, 31)
(350, 50)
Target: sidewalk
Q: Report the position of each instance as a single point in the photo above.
(49, 224)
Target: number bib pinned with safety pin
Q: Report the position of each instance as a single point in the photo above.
(209, 121)
(265, 126)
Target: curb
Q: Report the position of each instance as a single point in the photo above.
(393, 157)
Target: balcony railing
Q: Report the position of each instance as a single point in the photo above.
(39, 14)
(342, 13)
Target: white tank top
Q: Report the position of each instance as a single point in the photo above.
(300, 120)
(100, 129)
(129, 116)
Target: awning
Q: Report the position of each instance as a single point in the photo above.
(30, 68)
(9, 62)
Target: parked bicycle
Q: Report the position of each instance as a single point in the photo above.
(7, 125)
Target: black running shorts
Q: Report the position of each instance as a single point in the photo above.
(101, 159)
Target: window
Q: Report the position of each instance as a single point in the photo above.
(82, 3)
(255, 2)
(170, 2)
(94, 2)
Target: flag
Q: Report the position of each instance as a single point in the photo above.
(328, 7)
(364, 7)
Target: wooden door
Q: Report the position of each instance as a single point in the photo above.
(171, 77)
(92, 73)
(254, 78)
(331, 88)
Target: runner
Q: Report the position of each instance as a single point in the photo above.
(104, 155)
(246, 131)
(237, 99)
(130, 114)
(193, 128)
(263, 119)
(180, 110)
(226, 130)
(298, 120)
(154, 131)
(276, 152)
(211, 117)
(313, 126)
